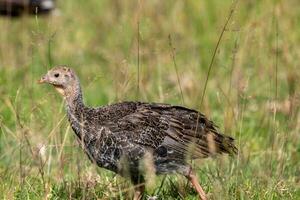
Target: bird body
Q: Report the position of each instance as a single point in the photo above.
(119, 136)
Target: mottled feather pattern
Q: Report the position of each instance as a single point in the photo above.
(171, 133)
(129, 137)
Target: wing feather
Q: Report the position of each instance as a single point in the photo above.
(181, 130)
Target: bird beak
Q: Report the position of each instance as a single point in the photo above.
(42, 80)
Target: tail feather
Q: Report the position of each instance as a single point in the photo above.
(223, 143)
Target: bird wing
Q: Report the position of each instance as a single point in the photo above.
(179, 130)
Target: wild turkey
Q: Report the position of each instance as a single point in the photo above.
(129, 130)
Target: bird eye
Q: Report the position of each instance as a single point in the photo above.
(56, 75)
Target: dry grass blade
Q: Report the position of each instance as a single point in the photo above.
(172, 49)
(216, 49)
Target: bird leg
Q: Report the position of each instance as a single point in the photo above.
(193, 179)
(139, 191)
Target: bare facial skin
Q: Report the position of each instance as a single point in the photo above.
(62, 78)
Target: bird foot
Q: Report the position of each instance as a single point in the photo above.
(139, 191)
(193, 179)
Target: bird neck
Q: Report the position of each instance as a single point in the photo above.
(73, 97)
(75, 108)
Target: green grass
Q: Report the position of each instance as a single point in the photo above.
(252, 93)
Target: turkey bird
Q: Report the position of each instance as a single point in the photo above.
(129, 130)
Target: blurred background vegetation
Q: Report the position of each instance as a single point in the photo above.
(252, 92)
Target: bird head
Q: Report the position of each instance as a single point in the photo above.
(62, 78)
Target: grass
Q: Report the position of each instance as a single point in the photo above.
(252, 92)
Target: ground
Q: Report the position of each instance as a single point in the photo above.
(157, 51)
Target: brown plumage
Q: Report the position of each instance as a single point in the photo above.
(130, 130)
